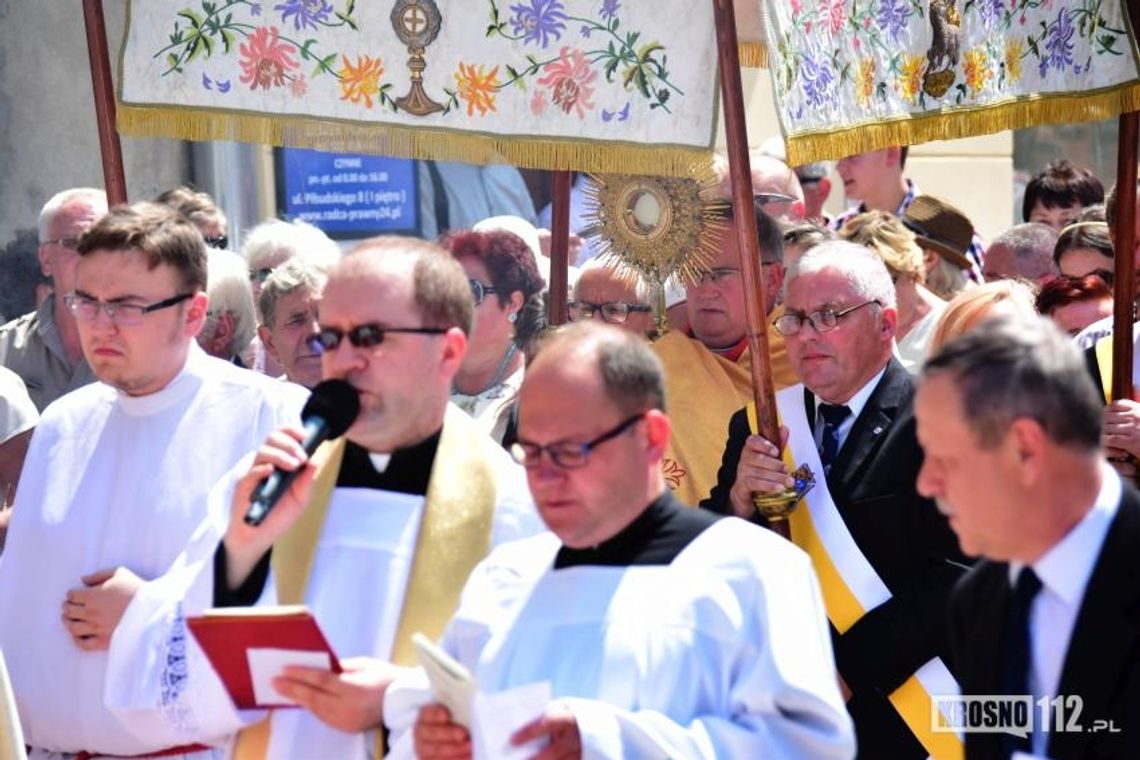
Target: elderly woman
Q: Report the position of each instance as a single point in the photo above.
(508, 316)
(918, 308)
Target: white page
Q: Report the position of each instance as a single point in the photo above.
(265, 664)
(495, 717)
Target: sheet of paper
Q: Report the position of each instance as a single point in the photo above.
(497, 716)
(267, 664)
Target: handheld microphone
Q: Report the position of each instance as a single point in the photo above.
(329, 412)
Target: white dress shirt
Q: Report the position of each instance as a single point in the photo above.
(855, 404)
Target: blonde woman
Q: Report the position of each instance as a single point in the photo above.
(968, 309)
(918, 307)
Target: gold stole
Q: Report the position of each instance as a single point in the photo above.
(1103, 351)
(454, 535)
(911, 700)
(704, 390)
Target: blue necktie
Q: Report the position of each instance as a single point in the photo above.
(833, 416)
(1016, 652)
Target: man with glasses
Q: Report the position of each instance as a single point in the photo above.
(708, 374)
(43, 346)
(887, 559)
(607, 294)
(663, 631)
(117, 474)
(377, 534)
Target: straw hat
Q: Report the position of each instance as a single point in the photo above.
(940, 227)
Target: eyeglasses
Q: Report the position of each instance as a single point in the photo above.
(821, 321)
(717, 275)
(614, 312)
(217, 241)
(566, 454)
(86, 309)
(63, 242)
(361, 336)
(480, 291)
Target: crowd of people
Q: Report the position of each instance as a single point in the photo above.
(576, 507)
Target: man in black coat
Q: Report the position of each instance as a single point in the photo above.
(839, 326)
(1011, 426)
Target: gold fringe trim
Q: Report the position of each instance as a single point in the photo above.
(753, 55)
(411, 142)
(951, 123)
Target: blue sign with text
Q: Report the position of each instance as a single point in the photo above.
(349, 195)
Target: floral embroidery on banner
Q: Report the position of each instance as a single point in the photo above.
(540, 22)
(569, 80)
(266, 61)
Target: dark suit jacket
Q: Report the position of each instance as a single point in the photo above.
(1102, 663)
(906, 540)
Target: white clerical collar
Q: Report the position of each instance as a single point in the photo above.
(379, 461)
(861, 397)
(176, 390)
(1066, 567)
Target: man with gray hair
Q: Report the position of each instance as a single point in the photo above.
(886, 558)
(1023, 251)
(1011, 425)
(42, 346)
(231, 321)
(288, 307)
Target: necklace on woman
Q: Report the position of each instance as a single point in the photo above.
(500, 373)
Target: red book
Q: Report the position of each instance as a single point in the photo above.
(227, 636)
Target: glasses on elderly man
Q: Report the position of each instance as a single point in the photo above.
(614, 312)
(824, 320)
(567, 454)
(361, 336)
(71, 243)
(86, 308)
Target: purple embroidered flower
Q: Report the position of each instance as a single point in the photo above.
(586, 30)
(818, 78)
(207, 82)
(255, 9)
(540, 21)
(223, 86)
(991, 12)
(306, 13)
(893, 17)
(1058, 44)
(609, 9)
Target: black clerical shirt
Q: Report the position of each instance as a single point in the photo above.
(408, 471)
(655, 537)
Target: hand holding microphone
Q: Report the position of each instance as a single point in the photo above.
(329, 412)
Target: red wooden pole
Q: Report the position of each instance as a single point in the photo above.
(1124, 235)
(104, 90)
(740, 170)
(559, 247)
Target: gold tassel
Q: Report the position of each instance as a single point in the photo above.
(953, 123)
(408, 142)
(753, 55)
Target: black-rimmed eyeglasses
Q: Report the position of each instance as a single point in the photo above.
(824, 320)
(614, 312)
(361, 336)
(217, 241)
(85, 308)
(481, 291)
(567, 454)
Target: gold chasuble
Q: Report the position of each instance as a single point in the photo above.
(454, 536)
(702, 392)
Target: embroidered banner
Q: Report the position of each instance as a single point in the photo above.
(856, 75)
(594, 85)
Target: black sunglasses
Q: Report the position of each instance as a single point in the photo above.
(361, 336)
(480, 291)
(217, 241)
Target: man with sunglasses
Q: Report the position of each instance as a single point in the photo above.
(43, 346)
(886, 557)
(662, 631)
(377, 534)
(117, 474)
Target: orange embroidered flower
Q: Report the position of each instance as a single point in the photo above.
(909, 82)
(569, 81)
(673, 472)
(362, 81)
(477, 87)
(265, 59)
(976, 69)
(865, 81)
(1014, 49)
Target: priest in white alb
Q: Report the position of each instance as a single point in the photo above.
(662, 631)
(117, 475)
(376, 536)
